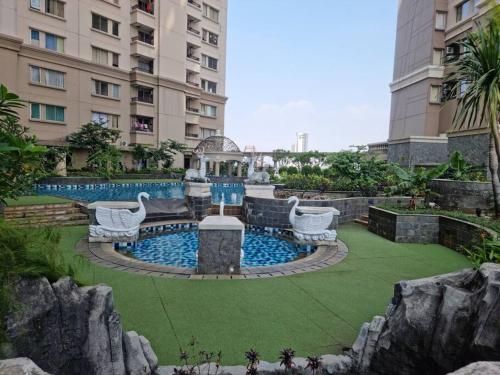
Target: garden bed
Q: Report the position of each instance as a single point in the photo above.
(414, 227)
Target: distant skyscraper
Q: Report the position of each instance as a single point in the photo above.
(301, 145)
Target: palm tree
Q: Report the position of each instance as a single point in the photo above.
(478, 71)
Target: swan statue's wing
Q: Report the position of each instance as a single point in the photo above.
(118, 219)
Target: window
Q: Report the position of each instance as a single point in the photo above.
(99, 56)
(440, 20)
(209, 86)
(209, 62)
(105, 119)
(462, 88)
(211, 12)
(54, 113)
(208, 110)
(54, 42)
(35, 37)
(145, 95)
(466, 9)
(145, 36)
(35, 4)
(99, 22)
(146, 6)
(452, 52)
(54, 78)
(35, 75)
(210, 37)
(114, 28)
(145, 65)
(54, 7)
(435, 94)
(35, 111)
(116, 58)
(205, 132)
(142, 124)
(105, 89)
(437, 56)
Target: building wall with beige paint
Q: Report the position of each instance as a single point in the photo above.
(155, 32)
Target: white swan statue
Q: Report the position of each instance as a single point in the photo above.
(121, 222)
(198, 174)
(311, 227)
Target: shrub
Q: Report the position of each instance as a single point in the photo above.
(301, 182)
(488, 251)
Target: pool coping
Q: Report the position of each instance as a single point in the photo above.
(103, 254)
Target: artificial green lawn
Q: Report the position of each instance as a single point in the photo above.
(36, 199)
(314, 313)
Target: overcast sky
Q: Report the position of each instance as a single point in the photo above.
(320, 66)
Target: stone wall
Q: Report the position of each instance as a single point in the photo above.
(275, 212)
(474, 147)
(417, 153)
(417, 228)
(464, 195)
(404, 228)
(199, 206)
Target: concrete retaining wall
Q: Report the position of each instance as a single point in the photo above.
(463, 195)
(417, 228)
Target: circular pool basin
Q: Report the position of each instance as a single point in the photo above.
(179, 249)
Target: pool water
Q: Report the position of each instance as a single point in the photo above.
(233, 193)
(179, 250)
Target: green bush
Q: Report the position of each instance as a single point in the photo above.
(488, 251)
(301, 182)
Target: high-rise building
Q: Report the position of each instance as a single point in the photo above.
(428, 32)
(302, 142)
(153, 69)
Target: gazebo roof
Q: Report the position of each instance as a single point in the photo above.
(217, 144)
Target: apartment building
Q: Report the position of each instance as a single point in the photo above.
(153, 69)
(422, 107)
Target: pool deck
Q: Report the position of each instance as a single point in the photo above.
(103, 254)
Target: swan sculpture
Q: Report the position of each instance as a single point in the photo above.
(311, 227)
(258, 177)
(119, 222)
(198, 174)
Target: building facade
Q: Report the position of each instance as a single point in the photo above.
(421, 128)
(153, 69)
(301, 143)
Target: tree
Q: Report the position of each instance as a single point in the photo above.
(165, 153)
(281, 158)
(141, 155)
(478, 70)
(20, 157)
(103, 156)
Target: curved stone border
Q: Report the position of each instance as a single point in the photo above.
(104, 255)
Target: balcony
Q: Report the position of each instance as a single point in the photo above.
(142, 138)
(139, 17)
(141, 124)
(138, 48)
(194, 3)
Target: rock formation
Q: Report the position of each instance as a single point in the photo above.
(65, 329)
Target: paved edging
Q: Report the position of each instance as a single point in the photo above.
(104, 255)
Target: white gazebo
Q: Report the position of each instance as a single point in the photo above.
(219, 149)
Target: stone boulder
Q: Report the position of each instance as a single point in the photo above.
(66, 329)
(434, 326)
(20, 366)
(479, 368)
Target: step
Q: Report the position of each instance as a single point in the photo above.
(63, 224)
(41, 213)
(362, 222)
(48, 219)
(364, 217)
(38, 207)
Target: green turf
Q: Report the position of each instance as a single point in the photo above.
(36, 199)
(314, 313)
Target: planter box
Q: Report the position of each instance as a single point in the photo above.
(423, 228)
(463, 195)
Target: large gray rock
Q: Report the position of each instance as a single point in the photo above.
(479, 368)
(65, 329)
(434, 325)
(20, 366)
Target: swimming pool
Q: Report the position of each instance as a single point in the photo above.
(233, 193)
(179, 249)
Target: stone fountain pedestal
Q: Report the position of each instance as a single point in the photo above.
(220, 241)
(259, 190)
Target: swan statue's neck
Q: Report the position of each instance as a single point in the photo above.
(142, 209)
(292, 211)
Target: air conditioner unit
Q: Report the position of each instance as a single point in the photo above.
(124, 143)
(450, 50)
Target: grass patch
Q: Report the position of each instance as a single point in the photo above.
(36, 199)
(484, 221)
(314, 313)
